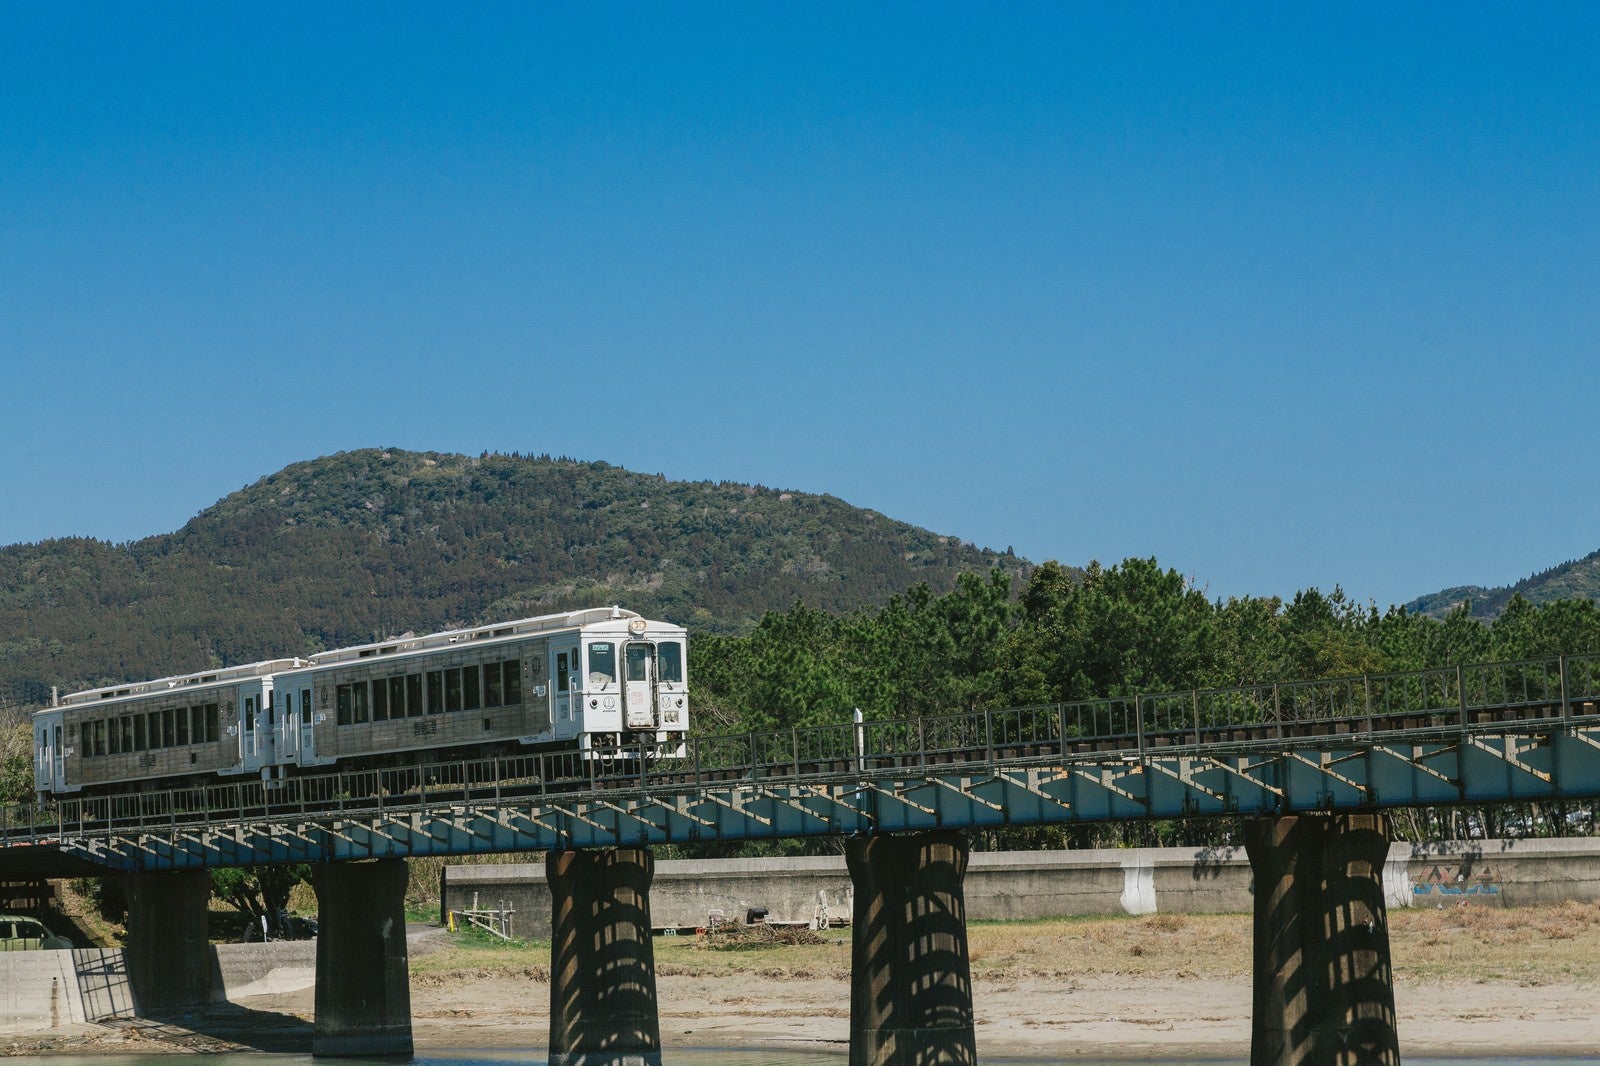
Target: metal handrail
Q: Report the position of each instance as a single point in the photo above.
(1562, 687)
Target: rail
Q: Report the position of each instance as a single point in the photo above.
(1451, 699)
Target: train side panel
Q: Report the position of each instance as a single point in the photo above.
(164, 736)
(457, 697)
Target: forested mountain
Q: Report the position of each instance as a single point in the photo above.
(1575, 580)
(372, 543)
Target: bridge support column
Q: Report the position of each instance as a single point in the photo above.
(603, 1009)
(168, 952)
(1324, 989)
(363, 997)
(911, 981)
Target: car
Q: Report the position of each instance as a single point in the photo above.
(19, 932)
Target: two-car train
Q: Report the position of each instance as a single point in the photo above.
(593, 682)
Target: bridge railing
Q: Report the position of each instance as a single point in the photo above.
(1457, 697)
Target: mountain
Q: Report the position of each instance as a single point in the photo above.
(372, 543)
(1575, 580)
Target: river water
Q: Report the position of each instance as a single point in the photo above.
(671, 1057)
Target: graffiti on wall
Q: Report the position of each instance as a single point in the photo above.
(1463, 879)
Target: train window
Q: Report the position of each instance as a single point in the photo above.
(152, 730)
(561, 672)
(358, 703)
(397, 696)
(669, 662)
(413, 695)
(197, 723)
(169, 728)
(305, 706)
(138, 732)
(513, 676)
(127, 735)
(452, 689)
(213, 715)
(344, 704)
(602, 663)
(436, 692)
(491, 684)
(380, 700)
(470, 691)
(636, 659)
(100, 738)
(180, 725)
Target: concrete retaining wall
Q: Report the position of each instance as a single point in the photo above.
(38, 991)
(1046, 884)
(45, 990)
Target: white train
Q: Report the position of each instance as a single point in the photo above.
(589, 681)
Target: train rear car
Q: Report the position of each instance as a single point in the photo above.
(171, 730)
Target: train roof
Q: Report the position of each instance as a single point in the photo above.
(266, 668)
(167, 684)
(521, 627)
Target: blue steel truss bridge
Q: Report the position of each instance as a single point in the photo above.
(1480, 734)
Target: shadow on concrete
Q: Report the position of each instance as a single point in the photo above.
(224, 1027)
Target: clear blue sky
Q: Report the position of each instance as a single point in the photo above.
(1281, 294)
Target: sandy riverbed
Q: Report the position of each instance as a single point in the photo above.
(1160, 987)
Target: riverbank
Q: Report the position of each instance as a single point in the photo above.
(1467, 982)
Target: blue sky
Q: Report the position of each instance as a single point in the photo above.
(1283, 295)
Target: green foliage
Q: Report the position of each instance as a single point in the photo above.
(259, 891)
(1132, 628)
(16, 763)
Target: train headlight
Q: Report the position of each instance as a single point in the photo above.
(636, 627)
(593, 704)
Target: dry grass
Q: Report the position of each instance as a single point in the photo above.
(1531, 945)
(1559, 943)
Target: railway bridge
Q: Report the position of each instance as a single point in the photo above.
(1312, 767)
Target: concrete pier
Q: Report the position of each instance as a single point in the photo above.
(911, 980)
(168, 954)
(603, 1007)
(363, 997)
(1324, 989)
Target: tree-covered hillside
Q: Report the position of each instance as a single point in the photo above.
(373, 543)
(1578, 579)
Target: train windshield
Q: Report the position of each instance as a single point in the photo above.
(669, 662)
(602, 663)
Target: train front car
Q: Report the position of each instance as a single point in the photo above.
(628, 686)
(591, 681)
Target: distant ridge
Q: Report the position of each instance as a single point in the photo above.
(370, 543)
(1578, 579)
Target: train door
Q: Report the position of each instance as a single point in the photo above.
(639, 686)
(563, 685)
(307, 745)
(255, 732)
(49, 770)
(266, 728)
(286, 743)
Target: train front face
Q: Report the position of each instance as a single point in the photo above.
(635, 685)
